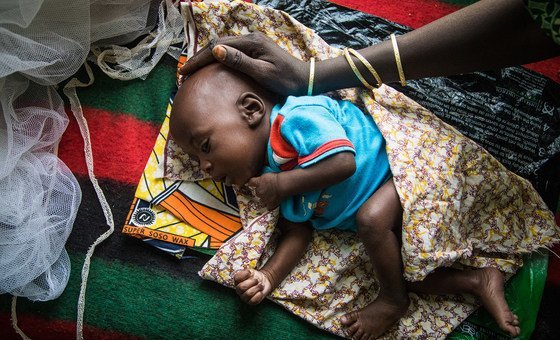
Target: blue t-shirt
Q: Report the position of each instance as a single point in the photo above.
(306, 130)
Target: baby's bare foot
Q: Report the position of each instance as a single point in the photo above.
(374, 319)
(489, 288)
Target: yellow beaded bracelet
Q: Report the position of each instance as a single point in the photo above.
(398, 59)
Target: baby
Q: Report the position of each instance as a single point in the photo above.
(324, 163)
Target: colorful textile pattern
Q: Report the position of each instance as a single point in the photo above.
(136, 292)
(306, 130)
(547, 14)
(172, 214)
(453, 192)
(460, 204)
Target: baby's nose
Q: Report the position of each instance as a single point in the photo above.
(206, 166)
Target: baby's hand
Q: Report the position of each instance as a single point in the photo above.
(252, 286)
(266, 188)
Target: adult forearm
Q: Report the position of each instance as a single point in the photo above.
(486, 35)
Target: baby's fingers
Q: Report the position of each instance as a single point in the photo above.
(241, 275)
(253, 295)
(272, 204)
(244, 286)
(257, 298)
(253, 182)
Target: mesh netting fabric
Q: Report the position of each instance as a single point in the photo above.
(39, 195)
(124, 63)
(43, 43)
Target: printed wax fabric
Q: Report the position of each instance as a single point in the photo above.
(173, 215)
(461, 205)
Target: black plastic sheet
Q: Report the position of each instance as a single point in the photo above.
(514, 113)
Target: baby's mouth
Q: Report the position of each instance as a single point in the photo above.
(224, 179)
(227, 181)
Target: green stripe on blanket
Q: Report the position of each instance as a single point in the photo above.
(144, 99)
(151, 303)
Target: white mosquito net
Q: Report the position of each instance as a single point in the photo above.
(42, 44)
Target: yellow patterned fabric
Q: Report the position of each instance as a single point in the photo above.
(461, 206)
(173, 214)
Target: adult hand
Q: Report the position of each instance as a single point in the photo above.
(257, 56)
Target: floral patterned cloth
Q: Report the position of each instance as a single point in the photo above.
(461, 206)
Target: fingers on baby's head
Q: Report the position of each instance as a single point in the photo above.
(242, 274)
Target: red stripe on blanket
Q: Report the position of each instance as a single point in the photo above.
(121, 145)
(417, 13)
(412, 13)
(549, 68)
(40, 328)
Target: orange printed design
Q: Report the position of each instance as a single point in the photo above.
(182, 60)
(220, 226)
(173, 214)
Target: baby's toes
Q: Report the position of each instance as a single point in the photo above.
(515, 320)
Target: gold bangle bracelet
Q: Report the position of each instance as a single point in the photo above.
(311, 76)
(355, 69)
(398, 59)
(367, 65)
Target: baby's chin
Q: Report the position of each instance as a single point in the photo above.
(234, 181)
(243, 181)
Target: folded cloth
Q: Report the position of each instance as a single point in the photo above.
(461, 206)
(174, 215)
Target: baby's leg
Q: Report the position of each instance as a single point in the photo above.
(487, 284)
(379, 222)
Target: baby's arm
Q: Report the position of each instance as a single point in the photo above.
(272, 188)
(254, 285)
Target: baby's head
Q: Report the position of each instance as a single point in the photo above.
(221, 118)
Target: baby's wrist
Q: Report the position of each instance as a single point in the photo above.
(271, 277)
(280, 187)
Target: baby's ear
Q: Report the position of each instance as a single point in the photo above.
(251, 107)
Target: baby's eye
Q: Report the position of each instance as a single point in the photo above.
(205, 146)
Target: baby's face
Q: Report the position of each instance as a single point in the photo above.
(224, 144)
